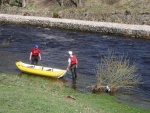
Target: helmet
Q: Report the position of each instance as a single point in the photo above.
(36, 46)
(70, 52)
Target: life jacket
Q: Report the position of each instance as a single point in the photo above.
(73, 60)
(35, 52)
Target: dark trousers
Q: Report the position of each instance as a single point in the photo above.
(35, 60)
(73, 71)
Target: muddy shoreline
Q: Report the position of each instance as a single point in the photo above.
(135, 31)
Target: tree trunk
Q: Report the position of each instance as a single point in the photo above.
(23, 3)
(62, 2)
(1, 2)
(79, 3)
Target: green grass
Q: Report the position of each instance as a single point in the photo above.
(42, 95)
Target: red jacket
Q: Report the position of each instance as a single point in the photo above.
(73, 60)
(35, 51)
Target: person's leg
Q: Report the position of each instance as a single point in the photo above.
(75, 73)
(32, 60)
(36, 60)
(72, 72)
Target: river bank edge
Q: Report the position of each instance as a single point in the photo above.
(21, 94)
(127, 30)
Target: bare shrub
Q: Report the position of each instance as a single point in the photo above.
(116, 72)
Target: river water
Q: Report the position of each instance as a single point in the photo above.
(88, 47)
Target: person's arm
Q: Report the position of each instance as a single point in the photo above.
(76, 63)
(30, 56)
(69, 63)
(40, 56)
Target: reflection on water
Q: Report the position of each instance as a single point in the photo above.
(88, 48)
(74, 84)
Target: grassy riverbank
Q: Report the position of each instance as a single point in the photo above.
(120, 11)
(40, 95)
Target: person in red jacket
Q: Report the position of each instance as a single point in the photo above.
(35, 55)
(72, 64)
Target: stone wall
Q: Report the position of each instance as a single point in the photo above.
(137, 31)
